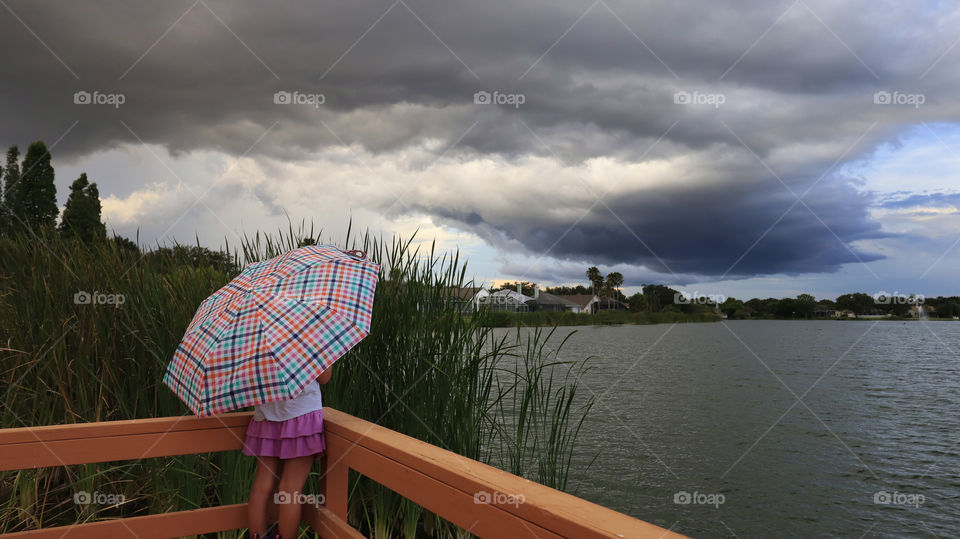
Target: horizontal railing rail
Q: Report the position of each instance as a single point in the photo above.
(484, 500)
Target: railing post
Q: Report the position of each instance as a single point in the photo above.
(334, 481)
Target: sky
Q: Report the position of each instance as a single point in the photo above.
(743, 148)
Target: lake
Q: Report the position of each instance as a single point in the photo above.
(774, 428)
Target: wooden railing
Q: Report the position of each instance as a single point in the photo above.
(479, 498)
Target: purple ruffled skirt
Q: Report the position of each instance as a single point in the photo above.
(296, 437)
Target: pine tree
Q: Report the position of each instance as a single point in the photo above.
(35, 196)
(10, 181)
(81, 216)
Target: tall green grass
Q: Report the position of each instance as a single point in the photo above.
(425, 370)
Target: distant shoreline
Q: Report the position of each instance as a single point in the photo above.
(613, 318)
(858, 319)
(604, 318)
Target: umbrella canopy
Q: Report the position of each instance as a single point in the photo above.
(273, 329)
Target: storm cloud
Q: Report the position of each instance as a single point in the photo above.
(690, 138)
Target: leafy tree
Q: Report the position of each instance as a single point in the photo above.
(786, 308)
(949, 309)
(897, 308)
(637, 302)
(171, 258)
(659, 296)
(35, 195)
(525, 287)
(81, 215)
(125, 245)
(10, 179)
(805, 305)
(733, 308)
(568, 290)
(764, 307)
(857, 302)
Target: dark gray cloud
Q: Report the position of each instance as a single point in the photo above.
(798, 81)
(716, 230)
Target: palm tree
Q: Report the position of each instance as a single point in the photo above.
(595, 277)
(614, 281)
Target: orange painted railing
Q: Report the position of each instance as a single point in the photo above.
(479, 498)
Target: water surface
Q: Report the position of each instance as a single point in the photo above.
(798, 427)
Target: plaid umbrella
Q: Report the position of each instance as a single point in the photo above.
(273, 329)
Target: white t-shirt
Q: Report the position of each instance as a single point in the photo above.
(305, 402)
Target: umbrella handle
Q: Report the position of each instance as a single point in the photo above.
(357, 253)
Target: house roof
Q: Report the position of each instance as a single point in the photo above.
(513, 295)
(551, 299)
(580, 299)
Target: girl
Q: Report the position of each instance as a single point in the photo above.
(285, 436)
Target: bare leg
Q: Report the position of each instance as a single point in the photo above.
(268, 473)
(294, 475)
(271, 501)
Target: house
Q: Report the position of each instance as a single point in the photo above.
(586, 302)
(551, 302)
(507, 300)
(845, 313)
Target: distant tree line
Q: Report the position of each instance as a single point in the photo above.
(29, 212)
(859, 303)
(658, 298)
(654, 298)
(608, 286)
